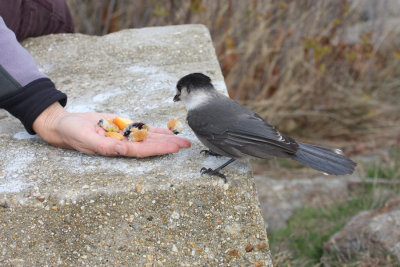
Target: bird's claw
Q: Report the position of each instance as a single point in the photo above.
(210, 171)
(210, 153)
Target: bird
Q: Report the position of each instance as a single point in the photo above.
(229, 129)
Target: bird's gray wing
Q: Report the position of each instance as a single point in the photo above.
(257, 138)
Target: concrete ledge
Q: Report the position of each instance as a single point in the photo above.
(61, 207)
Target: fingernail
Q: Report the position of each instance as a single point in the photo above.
(120, 149)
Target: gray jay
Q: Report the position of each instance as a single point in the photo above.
(230, 129)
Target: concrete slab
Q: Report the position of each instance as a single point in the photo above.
(61, 207)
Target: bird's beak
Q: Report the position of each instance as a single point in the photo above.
(177, 98)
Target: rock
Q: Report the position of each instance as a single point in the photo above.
(279, 199)
(375, 232)
(67, 208)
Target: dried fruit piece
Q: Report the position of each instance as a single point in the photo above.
(108, 125)
(137, 134)
(136, 131)
(175, 126)
(115, 135)
(138, 125)
(122, 122)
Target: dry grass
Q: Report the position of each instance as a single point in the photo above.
(296, 63)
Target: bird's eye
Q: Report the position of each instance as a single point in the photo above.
(179, 87)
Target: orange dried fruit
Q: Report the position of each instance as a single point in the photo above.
(115, 135)
(122, 122)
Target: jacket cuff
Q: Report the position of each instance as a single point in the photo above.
(29, 101)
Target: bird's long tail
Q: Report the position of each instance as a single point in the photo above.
(324, 159)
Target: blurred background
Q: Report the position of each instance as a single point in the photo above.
(325, 71)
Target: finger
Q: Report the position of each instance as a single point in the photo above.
(106, 146)
(146, 149)
(160, 130)
(180, 141)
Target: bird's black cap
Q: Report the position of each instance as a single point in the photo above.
(194, 80)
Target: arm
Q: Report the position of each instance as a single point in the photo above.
(24, 91)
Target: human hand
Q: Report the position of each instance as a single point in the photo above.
(80, 131)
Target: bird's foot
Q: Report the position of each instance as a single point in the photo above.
(210, 171)
(210, 153)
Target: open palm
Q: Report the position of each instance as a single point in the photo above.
(80, 131)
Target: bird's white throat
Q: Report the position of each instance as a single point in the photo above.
(195, 99)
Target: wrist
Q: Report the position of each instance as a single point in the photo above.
(46, 124)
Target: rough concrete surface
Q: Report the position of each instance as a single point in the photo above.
(61, 207)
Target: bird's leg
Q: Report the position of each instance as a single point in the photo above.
(216, 172)
(210, 153)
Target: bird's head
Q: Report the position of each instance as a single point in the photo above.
(193, 90)
(191, 83)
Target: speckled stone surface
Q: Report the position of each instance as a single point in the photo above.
(61, 207)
